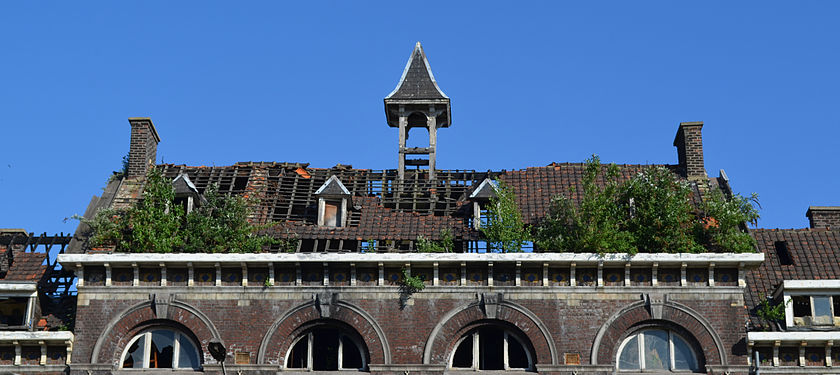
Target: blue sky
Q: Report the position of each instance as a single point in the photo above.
(531, 83)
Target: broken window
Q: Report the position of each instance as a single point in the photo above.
(657, 350)
(491, 348)
(326, 348)
(814, 310)
(13, 311)
(161, 348)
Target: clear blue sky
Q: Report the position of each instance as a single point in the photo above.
(531, 83)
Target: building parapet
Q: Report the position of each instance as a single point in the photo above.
(435, 269)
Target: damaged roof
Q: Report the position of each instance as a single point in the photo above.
(791, 254)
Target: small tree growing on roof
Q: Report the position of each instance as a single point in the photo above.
(505, 230)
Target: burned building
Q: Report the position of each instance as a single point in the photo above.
(331, 296)
(34, 307)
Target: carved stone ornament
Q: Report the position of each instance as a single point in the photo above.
(490, 304)
(654, 304)
(324, 302)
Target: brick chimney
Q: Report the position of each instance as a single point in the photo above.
(143, 150)
(689, 144)
(824, 216)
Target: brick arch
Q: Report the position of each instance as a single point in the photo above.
(616, 328)
(276, 341)
(462, 319)
(179, 315)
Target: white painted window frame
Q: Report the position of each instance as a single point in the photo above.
(147, 349)
(641, 353)
(29, 312)
(788, 301)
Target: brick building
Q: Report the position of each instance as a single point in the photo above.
(335, 303)
(32, 339)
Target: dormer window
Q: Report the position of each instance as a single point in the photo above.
(481, 196)
(186, 194)
(333, 200)
(811, 303)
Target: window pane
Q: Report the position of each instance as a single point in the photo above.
(134, 357)
(801, 306)
(656, 350)
(325, 350)
(187, 354)
(464, 354)
(351, 358)
(297, 356)
(491, 349)
(162, 349)
(822, 310)
(629, 358)
(516, 354)
(683, 355)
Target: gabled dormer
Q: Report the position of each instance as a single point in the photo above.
(186, 194)
(481, 197)
(333, 200)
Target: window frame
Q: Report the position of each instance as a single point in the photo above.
(476, 347)
(147, 347)
(310, 358)
(639, 336)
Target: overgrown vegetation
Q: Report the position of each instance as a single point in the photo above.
(156, 224)
(650, 212)
(445, 245)
(773, 313)
(408, 286)
(504, 231)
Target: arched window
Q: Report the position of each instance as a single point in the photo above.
(161, 348)
(491, 348)
(657, 350)
(327, 348)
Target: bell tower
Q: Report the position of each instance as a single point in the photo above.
(417, 102)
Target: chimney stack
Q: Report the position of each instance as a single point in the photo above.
(143, 150)
(824, 216)
(689, 144)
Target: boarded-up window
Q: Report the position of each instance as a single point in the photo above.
(332, 214)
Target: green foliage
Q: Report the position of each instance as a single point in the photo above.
(267, 283)
(221, 224)
(593, 226)
(155, 224)
(650, 212)
(661, 217)
(408, 286)
(444, 245)
(504, 231)
(724, 220)
(411, 284)
(771, 312)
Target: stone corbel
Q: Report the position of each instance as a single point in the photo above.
(324, 303)
(654, 304)
(490, 304)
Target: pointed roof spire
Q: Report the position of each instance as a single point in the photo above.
(417, 81)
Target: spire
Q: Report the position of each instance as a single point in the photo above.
(417, 81)
(417, 102)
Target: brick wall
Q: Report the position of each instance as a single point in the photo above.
(553, 323)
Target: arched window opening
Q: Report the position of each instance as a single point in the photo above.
(327, 348)
(491, 348)
(657, 350)
(161, 348)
